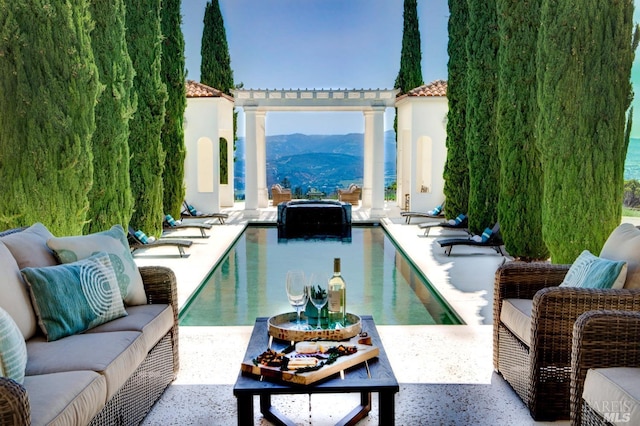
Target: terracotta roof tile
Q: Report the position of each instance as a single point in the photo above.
(435, 88)
(199, 90)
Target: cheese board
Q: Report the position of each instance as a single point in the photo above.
(305, 357)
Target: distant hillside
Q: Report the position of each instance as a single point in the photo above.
(324, 162)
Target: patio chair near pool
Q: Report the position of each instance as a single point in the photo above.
(138, 240)
(437, 212)
(170, 223)
(489, 238)
(190, 212)
(461, 222)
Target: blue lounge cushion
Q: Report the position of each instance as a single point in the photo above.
(74, 297)
(589, 271)
(486, 234)
(170, 220)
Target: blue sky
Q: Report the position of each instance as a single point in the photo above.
(290, 44)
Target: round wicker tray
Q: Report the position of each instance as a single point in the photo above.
(280, 327)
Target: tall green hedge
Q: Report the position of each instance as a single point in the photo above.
(410, 73)
(110, 198)
(585, 52)
(520, 203)
(173, 76)
(482, 92)
(215, 68)
(147, 156)
(456, 168)
(48, 90)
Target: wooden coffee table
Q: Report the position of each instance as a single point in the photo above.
(374, 376)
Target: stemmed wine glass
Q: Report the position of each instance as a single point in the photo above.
(318, 293)
(297, 293)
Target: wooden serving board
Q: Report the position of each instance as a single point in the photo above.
(364, 353)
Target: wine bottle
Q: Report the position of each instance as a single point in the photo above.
(337, 297)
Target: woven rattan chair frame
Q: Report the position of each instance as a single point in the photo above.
(601, 339)
(540, 373)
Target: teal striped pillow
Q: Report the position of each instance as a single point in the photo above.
(589, 271)
(13, 349)
(74, 297)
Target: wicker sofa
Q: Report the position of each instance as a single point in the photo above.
(350, 195)
(280, 194)
(109, 374)
(533, 321)
(605, 368)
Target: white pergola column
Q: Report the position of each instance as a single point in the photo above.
(373, 186)
(261, 152)
(251, 161)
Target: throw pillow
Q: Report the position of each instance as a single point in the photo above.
(589, 271)
(29, 247)
(14, 294)
(75, 297)
(13, 349)
(170, 220)
(624, 244)
(114, 242)
(486, 234)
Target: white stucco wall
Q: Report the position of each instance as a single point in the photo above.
(422, 151)
(206, 121)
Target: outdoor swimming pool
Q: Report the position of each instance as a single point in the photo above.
(249, 281)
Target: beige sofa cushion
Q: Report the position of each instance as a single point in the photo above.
(29, 247)
(14, 295)
(624, 244)
(614, 393)
(115, 355)
(70, 398)
(516, 316)
(154, 321)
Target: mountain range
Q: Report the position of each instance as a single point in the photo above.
(321, 162)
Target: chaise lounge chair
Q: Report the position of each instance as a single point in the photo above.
(489, 238)
(461, 222)
(170, 223)
(136, 242)
(190, 212)
(437, 212)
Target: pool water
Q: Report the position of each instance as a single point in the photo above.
(249, 281)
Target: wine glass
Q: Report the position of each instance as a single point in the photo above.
(297, 293)
(317, 290)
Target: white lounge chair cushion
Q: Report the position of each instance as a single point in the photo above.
(614, 393)
(516, 316)
(624, 244)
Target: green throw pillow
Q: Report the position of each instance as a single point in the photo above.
(13, 349)
(74, 297)
(114, 242)
(589, 271)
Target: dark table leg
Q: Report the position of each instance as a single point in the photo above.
(387, 407)
(358, 413)
(245, 410)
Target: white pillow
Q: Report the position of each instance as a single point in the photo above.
(13, 349)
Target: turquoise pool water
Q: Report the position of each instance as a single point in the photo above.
(249, 281)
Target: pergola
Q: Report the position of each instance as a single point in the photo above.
(372, 102)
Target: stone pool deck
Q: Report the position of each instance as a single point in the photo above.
(445, 372)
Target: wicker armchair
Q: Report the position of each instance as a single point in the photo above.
(601, 339)
(280, 194)
(540, 371)
(350, 195)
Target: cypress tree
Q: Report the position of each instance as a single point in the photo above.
(173, 75)
(147, 156)
(110, 198)
(215, 68)
(585, 52)
(482, 91)
(48, 90)
(520, 203)
(456, 168)
(410, 73)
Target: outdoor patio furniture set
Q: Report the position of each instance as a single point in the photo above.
(552, 325)
(86, 336)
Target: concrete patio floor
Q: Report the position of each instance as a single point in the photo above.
(445, 372)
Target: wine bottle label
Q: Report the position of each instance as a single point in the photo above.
(334, 301)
